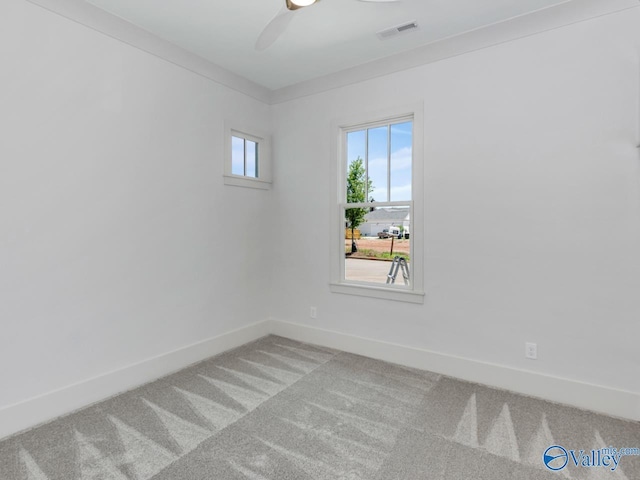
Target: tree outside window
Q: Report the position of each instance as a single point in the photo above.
(357, 190)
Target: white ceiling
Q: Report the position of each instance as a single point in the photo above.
(327, 37)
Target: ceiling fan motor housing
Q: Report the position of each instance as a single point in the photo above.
(294, 6)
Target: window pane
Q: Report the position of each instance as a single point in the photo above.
(401, 156)
(356, 167)
(237, 156)
(379, 237)
(252, 159)
(356, 153)
(378, 163)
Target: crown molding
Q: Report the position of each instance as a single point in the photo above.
(550, 18)
(119, 29)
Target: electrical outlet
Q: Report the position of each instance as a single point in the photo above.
(531, 350)
(313, 312)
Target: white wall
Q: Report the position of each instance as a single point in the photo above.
(532, 205)
(112, 207)
(114, 220)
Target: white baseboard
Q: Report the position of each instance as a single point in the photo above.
(34, 411)
(31, 412)
(596, 398)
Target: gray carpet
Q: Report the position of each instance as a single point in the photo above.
(278, 409)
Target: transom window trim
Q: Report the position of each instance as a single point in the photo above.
(338, 284)
(380, 123)
(259, 174)
(399, 203)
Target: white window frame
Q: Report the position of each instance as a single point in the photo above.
(414, 293)
(263, 180)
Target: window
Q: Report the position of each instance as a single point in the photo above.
(247, 159)
(244, 157)
(378, 241)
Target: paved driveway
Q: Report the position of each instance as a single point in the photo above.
(375, 271)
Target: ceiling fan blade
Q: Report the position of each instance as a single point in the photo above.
(274, 29)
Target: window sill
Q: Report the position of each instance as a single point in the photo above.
(238, 181)
(378, 292)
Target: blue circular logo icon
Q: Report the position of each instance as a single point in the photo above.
(555, 458)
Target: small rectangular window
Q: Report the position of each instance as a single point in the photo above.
(247, 159)
(244, 157)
